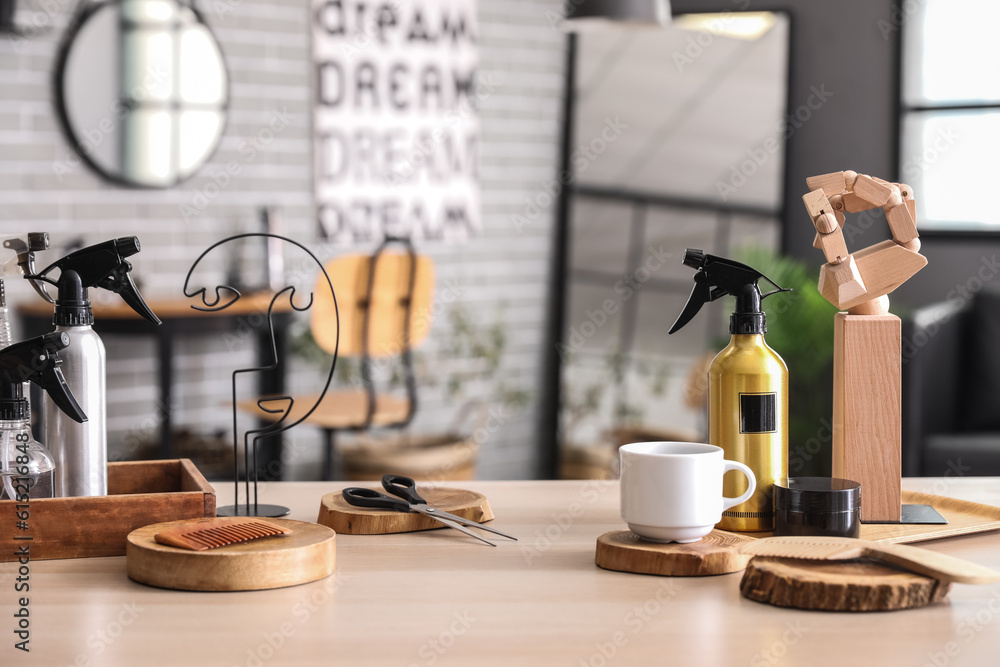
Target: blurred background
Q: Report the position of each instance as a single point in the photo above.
(552, 171)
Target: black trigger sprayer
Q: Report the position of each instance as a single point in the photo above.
(718, 277)
(25, 465)
(80, 450)
(102, 265)
(747, 387)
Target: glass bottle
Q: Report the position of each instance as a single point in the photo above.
(25, 463)
(5, 339)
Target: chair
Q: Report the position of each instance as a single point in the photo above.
(385, 306)
(951, 384)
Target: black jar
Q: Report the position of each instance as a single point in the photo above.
(826, 506)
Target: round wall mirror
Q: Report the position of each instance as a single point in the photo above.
(142, 90)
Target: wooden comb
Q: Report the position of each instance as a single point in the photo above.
(921, 561)
(218, 532)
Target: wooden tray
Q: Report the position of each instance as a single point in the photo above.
(139, 493)
(335, 513)
(307, 554)
(964, 518)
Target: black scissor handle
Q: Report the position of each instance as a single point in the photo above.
(404, 487)
(371, 498)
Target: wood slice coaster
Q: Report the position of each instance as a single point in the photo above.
(837, 586)
(716, 553)
(307, 554)
(347, 519)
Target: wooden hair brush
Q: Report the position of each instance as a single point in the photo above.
(218, 532)
(922, 561)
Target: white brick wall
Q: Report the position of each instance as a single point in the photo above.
(265, 43)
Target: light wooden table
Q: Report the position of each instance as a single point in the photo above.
(439, 598)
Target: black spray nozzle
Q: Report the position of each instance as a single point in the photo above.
(36, 360)
(128, 246)
(103, 265)
(694, 258)
(718, 277)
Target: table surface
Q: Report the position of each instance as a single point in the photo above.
(440, 598)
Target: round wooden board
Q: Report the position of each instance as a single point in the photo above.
(350, 520)
(307, 554)
(855, 585)
(716, 553)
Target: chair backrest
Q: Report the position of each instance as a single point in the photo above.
(384, 303)
(380, 293)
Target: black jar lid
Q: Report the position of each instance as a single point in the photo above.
(817, 494)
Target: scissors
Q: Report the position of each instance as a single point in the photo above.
(405, 488)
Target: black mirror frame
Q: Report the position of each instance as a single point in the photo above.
(83, 14)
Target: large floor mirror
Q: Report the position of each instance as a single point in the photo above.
(677, 142)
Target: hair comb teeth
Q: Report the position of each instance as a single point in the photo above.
(218, 532)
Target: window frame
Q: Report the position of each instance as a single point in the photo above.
(903, 110)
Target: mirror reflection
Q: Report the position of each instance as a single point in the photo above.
(142, 91)
(678, 143)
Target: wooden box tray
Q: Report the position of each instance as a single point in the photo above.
(139, 493)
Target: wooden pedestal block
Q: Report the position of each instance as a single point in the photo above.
(866, 410)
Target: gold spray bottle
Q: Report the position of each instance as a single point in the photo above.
(747, 388)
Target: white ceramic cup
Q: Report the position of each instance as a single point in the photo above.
(672, 491)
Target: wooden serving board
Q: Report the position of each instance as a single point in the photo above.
(347, 519)
(716, 553)
(307, 554)
(837, 586)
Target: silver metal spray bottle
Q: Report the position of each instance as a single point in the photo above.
(81, 450)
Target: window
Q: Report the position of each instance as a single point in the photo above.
(950, 121)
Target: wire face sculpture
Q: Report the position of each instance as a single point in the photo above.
(224, 297)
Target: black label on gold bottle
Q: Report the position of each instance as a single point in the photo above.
(757, 413)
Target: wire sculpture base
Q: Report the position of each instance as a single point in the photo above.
(269, 511)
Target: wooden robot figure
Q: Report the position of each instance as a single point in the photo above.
(866, 339)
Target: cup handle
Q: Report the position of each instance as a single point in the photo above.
(728, 502)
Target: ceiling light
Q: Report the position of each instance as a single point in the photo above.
(738, 25)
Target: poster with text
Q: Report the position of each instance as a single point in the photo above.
(395, 128)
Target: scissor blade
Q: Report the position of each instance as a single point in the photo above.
(434, 514)
(469, 522)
